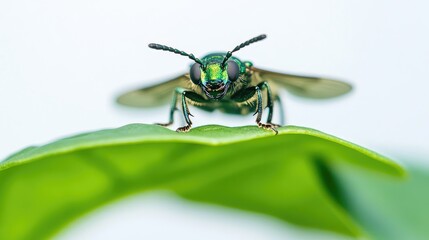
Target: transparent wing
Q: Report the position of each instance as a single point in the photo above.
(155, 95)
(304, 86)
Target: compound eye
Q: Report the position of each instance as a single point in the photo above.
(195, 73)
(233, 70)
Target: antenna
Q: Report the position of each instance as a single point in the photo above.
(246, 43)
(176, 51)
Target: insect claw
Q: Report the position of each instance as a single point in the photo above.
(190, 114)
(269, 126)
(184, 128)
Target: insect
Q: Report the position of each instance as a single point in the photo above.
(224, 82)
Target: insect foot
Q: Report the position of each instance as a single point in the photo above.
(184, 128)
(269, 126)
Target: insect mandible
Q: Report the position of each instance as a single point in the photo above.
(220, 81)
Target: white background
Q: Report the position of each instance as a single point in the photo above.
(63, 62)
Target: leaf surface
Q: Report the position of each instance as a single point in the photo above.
(285, 176)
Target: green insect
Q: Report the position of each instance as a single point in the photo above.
(224, 82)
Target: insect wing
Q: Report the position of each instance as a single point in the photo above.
(304, 86)
(155, 95)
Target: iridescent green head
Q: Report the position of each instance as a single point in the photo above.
(214, 73)
(213, 76)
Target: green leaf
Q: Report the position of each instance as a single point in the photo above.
(287, 176)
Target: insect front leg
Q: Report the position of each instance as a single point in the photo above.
(184, 94)
(270, 103)
(196, 99)
(185, 111)
(173, 108)
(246, 95)
(258, 113)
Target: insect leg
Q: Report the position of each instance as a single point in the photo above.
(173, 108)
(184, 94)
(186, 113)
(247, 95)
(196, 99)
(267, 125)
(264, 85)
(258, 112)
(270, 103)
